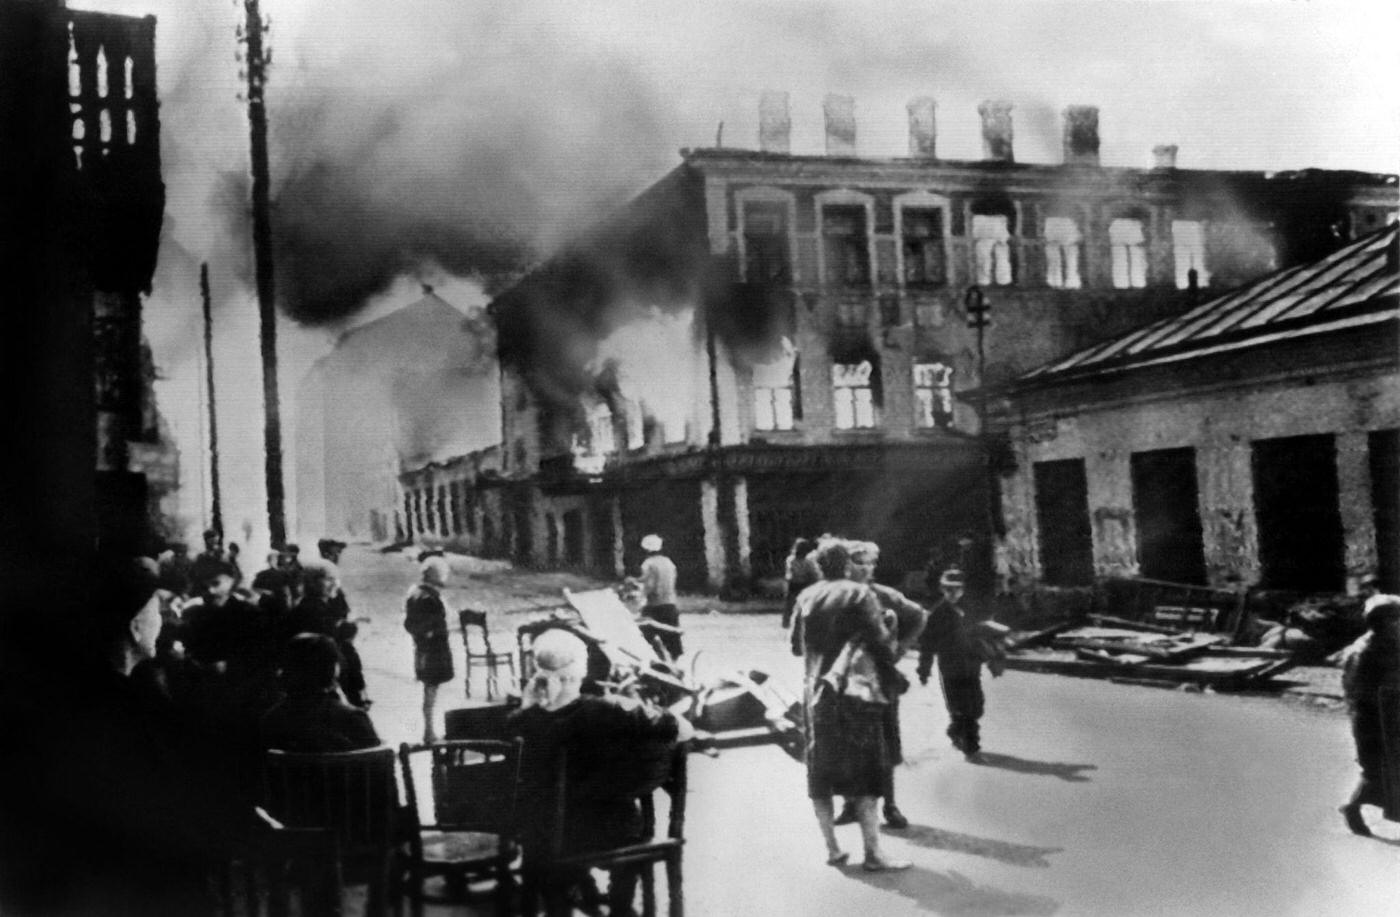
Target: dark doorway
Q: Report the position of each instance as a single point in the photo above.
(600, 514)
(1167, 515)
(1295, 505)
(1385, 500)
(573, 538)
(1062, 517)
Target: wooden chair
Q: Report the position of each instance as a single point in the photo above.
(280, 864)
(470, 833)
(493, 660)
(547, 879)
(352, 795)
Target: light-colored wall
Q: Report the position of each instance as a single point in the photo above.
(1221, 427)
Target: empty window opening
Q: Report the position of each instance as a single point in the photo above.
(854, 395)
(1062, 245)
(766, 251)
(1165, 508)
(844, 245)
(1295, 506)
(991, 244)
(1385, 504)
(924, 262)
(1062, 522)
(1128, 245)
(1189, 249)
(933, 395)
(127, 69)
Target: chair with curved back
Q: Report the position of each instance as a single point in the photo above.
(468, 830)
(479, 651)
(354, 796)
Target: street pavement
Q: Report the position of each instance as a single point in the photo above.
(1096, 798)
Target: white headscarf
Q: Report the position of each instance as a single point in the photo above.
(436, 571)
(561, 661)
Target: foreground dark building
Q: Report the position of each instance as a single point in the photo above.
(81, 203)
(763, 345)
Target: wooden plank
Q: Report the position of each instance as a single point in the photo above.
(1125, 624)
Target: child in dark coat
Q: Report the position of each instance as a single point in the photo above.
(960, 650)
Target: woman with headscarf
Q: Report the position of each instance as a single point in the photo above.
(615, 747)
(847, 745)
(425, 618)
(904, 620)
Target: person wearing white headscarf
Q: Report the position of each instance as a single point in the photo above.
(425, 618)
(615, 748)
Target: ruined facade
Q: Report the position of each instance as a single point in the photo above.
(79, 231)
(1254, 440)
(810, 315)
(413, 387)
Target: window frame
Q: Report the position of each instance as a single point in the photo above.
(1182, 275)
(842, 198)
(1079, 223)
(765, 195)
(857, 403)
(945, 386)
(922, 200)
(1144, 248)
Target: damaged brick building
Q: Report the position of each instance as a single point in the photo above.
(1253, 440)
(80, 221)
(765, 344)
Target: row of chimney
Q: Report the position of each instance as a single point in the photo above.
(1081, 136)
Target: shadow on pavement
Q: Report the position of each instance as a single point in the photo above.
(1069, 772)
(1001, 851)
(954, 894)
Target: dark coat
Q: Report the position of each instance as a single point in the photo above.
(425, 619)
(317, 722)
(616, 746)
(1369, 665)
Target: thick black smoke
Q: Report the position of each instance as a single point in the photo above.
(466, 162)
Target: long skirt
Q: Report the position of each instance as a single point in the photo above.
(848, 750)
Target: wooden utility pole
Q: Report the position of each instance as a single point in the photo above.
(216, 515)
(257, 60)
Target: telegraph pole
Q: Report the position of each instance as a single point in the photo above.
(216, 520)
(257, 62)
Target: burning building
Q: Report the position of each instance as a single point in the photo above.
(79, 230)
(395, 392)
(1252, 440)
(764, 345)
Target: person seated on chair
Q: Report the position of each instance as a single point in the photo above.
(615, 748)
(312, 717)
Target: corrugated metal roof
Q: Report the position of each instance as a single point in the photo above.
(1355, 285)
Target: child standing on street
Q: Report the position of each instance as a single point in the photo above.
(951, 637)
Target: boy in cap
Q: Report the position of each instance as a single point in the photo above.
(949, 637)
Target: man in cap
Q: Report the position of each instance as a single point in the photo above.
(658, 576)
(210, 560)
(1371, 666)
(948, 637)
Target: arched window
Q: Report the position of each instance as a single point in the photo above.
(1128, 246)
